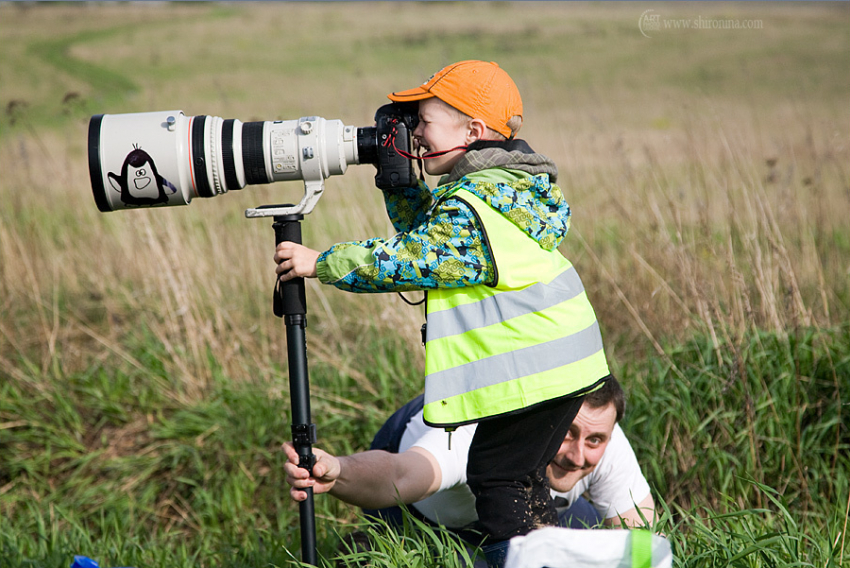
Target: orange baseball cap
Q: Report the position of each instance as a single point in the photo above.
(477, 88)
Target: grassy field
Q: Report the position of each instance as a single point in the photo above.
(143, 383)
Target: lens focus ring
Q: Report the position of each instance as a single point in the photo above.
(227, 158)
(199, 163)
(253, 155)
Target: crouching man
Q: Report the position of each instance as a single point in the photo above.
(594, 477)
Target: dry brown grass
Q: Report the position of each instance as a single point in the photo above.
(695, 209)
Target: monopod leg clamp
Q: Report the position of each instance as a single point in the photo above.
(290, 303)
(303, 438)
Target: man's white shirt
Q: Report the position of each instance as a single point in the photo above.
(614, 486)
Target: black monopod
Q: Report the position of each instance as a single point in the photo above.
(290, 303)
(141, 160)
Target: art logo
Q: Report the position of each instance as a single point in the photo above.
(648, 22)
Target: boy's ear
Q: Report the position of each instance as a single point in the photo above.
(477, 130)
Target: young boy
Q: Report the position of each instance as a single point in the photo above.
(512, 341)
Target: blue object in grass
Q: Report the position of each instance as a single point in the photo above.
(84, 562)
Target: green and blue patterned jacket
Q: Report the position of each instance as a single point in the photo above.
(440, 243)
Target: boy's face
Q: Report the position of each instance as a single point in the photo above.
(440, 129)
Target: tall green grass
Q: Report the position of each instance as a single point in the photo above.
(748, 444)
(748, 457)
(143, 386)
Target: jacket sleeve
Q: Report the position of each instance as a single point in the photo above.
(408, 207)
(444, 250)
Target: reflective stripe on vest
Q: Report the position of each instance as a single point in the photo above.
(494, 309)
(519, 362)
(531, 338)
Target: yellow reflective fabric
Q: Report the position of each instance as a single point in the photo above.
(512, 395)
(530, 338)
(511, 335)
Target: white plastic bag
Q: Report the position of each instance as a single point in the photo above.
(555, 547)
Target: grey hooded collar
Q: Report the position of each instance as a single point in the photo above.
(509, 154)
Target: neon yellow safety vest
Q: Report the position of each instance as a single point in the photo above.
(530, 338)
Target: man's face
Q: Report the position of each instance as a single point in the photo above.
(438, 130)
(583, 447)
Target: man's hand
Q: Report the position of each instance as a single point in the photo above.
(294, 260)
(632, 517)
(371, 480)
(325, 473)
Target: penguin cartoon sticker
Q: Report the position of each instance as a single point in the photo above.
(139, 183)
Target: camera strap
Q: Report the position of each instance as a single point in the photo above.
(409, 302)
(390, 141)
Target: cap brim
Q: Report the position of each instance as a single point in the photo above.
(415, 94)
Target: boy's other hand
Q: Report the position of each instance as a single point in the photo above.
(294, 260)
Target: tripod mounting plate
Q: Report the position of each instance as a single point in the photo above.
(312, 192)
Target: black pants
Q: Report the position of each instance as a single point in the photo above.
(507, 467)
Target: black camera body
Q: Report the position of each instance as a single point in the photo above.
(383, 145)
